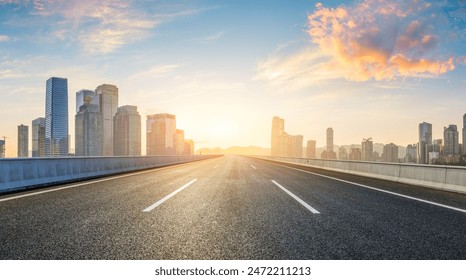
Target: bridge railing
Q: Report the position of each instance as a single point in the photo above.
(449, 178)
(21, 173)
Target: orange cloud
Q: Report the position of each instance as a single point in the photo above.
(380, 40)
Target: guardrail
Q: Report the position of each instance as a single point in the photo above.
(449, 178)
(23, 173)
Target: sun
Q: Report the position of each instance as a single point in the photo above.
(223, 128)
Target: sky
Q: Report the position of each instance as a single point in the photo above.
(366, 68)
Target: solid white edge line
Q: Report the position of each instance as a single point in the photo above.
(308, 207)
(253, 166)
(380, 190)
(152, 207)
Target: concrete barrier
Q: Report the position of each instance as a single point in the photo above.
(444, 177)
(22, 173)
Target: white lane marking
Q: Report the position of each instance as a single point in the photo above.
(308, 207)
(253, 166)
(380, 190)
(245, 161)
(216, 166)
(152, 207)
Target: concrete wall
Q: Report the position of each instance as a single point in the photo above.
(21, 173)
(449, 178)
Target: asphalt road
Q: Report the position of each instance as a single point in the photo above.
(233, 207)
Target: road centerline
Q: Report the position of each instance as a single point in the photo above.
(308, 207)
(153, 206)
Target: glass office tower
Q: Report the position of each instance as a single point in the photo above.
(56, 117)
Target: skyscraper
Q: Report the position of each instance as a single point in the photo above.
(23, 140)
(179, 142)
(127, 131)
(390, 153)
(367, 151)
(108, 101)
(278, 129)
(330, 139)
(56, 117)
(86, 96)
(464, 134)
(284, 144)
(311, 149)
(425, 138)
(161, 130)
(88, 130)
(329, 153)
(450, 139)
(38, 137)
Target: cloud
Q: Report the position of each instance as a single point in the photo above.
(4, 38)
(157, 71)
(379, 40)
(99, 26)
(370, 40)
(211, 38)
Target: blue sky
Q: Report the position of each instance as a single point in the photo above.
(366, 68)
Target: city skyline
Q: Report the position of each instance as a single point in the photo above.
(225, 79)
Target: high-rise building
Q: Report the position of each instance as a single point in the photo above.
(355, 154)
(86, 96)
(284, 144)
(88, 131)
(188, 147)
(330, 139)
(2, 148)
(56, 117)
(411, 153)
(425, 138)
(367, 151)
(179, 142)
(38, 137)
(108, 101)
(278, 130)
(23, 140)
(329, 153)
(311, 149)
(390, 153)
(127, 132)
(464, 134)
(450, 139)
(161, 130)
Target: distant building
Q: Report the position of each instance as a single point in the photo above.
(284, 144)
(108, 101)
(161, 131)
(464, 134)
(342, 154)
(2, 148)
(311, 149)
(88, 131)
(38, 137)
(179, 142)
(390, 153)
(450, 140)
(86, 96)
(355, 154)
(329, 153)
(56, 117)
(425, 138)
(23, 140)
(367, 151)
(127, 132)
(188, 147)
(411, 153)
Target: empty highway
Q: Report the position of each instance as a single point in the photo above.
(233, 207)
